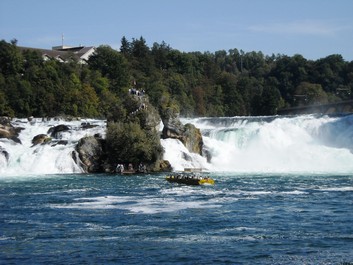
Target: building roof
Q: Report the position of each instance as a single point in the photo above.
(64, 53)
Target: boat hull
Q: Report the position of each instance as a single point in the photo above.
(190, 180)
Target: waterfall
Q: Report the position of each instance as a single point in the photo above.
(298, 144)
(51, 158)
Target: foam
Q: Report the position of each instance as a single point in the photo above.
(146, 205)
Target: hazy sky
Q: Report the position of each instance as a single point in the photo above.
(312, 28)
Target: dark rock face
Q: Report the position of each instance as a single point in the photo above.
(61, 142)
(152, 118)
(173, 128)
(165, 166)
(40, 139)
(188, 134)
(87, 125)
(90, 152)
(4, 153)
(56, 130)
(192, 139)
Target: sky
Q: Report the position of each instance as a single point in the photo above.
(312, 28)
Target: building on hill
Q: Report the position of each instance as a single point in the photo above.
(65, 53)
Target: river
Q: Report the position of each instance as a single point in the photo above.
(283, 195)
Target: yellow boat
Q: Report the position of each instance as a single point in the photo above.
(190, 179)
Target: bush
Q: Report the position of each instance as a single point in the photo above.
(128, 143)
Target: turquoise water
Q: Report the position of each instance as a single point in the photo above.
(243, 219)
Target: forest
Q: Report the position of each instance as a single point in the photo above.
(223, 83)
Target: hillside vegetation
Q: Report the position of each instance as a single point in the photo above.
(224, 83)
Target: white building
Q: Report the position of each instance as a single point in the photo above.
(65, 53)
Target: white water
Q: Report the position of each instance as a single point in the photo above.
(301, 144)
(26, 159)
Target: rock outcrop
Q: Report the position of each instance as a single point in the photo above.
(40, 139)
(8, 131)
(164, 166)
(91, 154)
(87, 125)
(188, 134)
(57, 130)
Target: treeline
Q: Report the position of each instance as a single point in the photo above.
(224, 83)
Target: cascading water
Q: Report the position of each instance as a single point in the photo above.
(298, 144)
(52, 158)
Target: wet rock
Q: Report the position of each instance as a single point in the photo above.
(40, 139)
(188, 134)
(192, 139)
(165, 166)
(87, 125)
(8, 131)
(5, 133)
(57, 130)
(90, 153)
(61, 142)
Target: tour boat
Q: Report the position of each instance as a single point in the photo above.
(190, 179)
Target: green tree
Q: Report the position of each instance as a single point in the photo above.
(314, 94)
(128, 143)
(11, 59)
(233, 101)
(111, 107)
(112, 65)
(125, 47)
(268, 102)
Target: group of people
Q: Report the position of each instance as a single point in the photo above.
(186, 177)
(134, 91)
(130, 168)
(143, 106)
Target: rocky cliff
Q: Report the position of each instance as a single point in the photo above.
(188, 134)
(91, 154)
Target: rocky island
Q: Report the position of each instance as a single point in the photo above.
(130, 139)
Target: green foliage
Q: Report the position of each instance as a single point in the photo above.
(129, 143)
(268, 102)
(313, 92)
(224, 83)
(112, 65)
(11, 59)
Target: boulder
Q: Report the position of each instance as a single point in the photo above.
(8, 131)
(87, 125)
(40, 139)
(173, 128)
(192, 139)
(152, 118)
(90, 152)
(57, 130)
(61, 142)
(5, 133)
(165, 166)
(188, 134)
